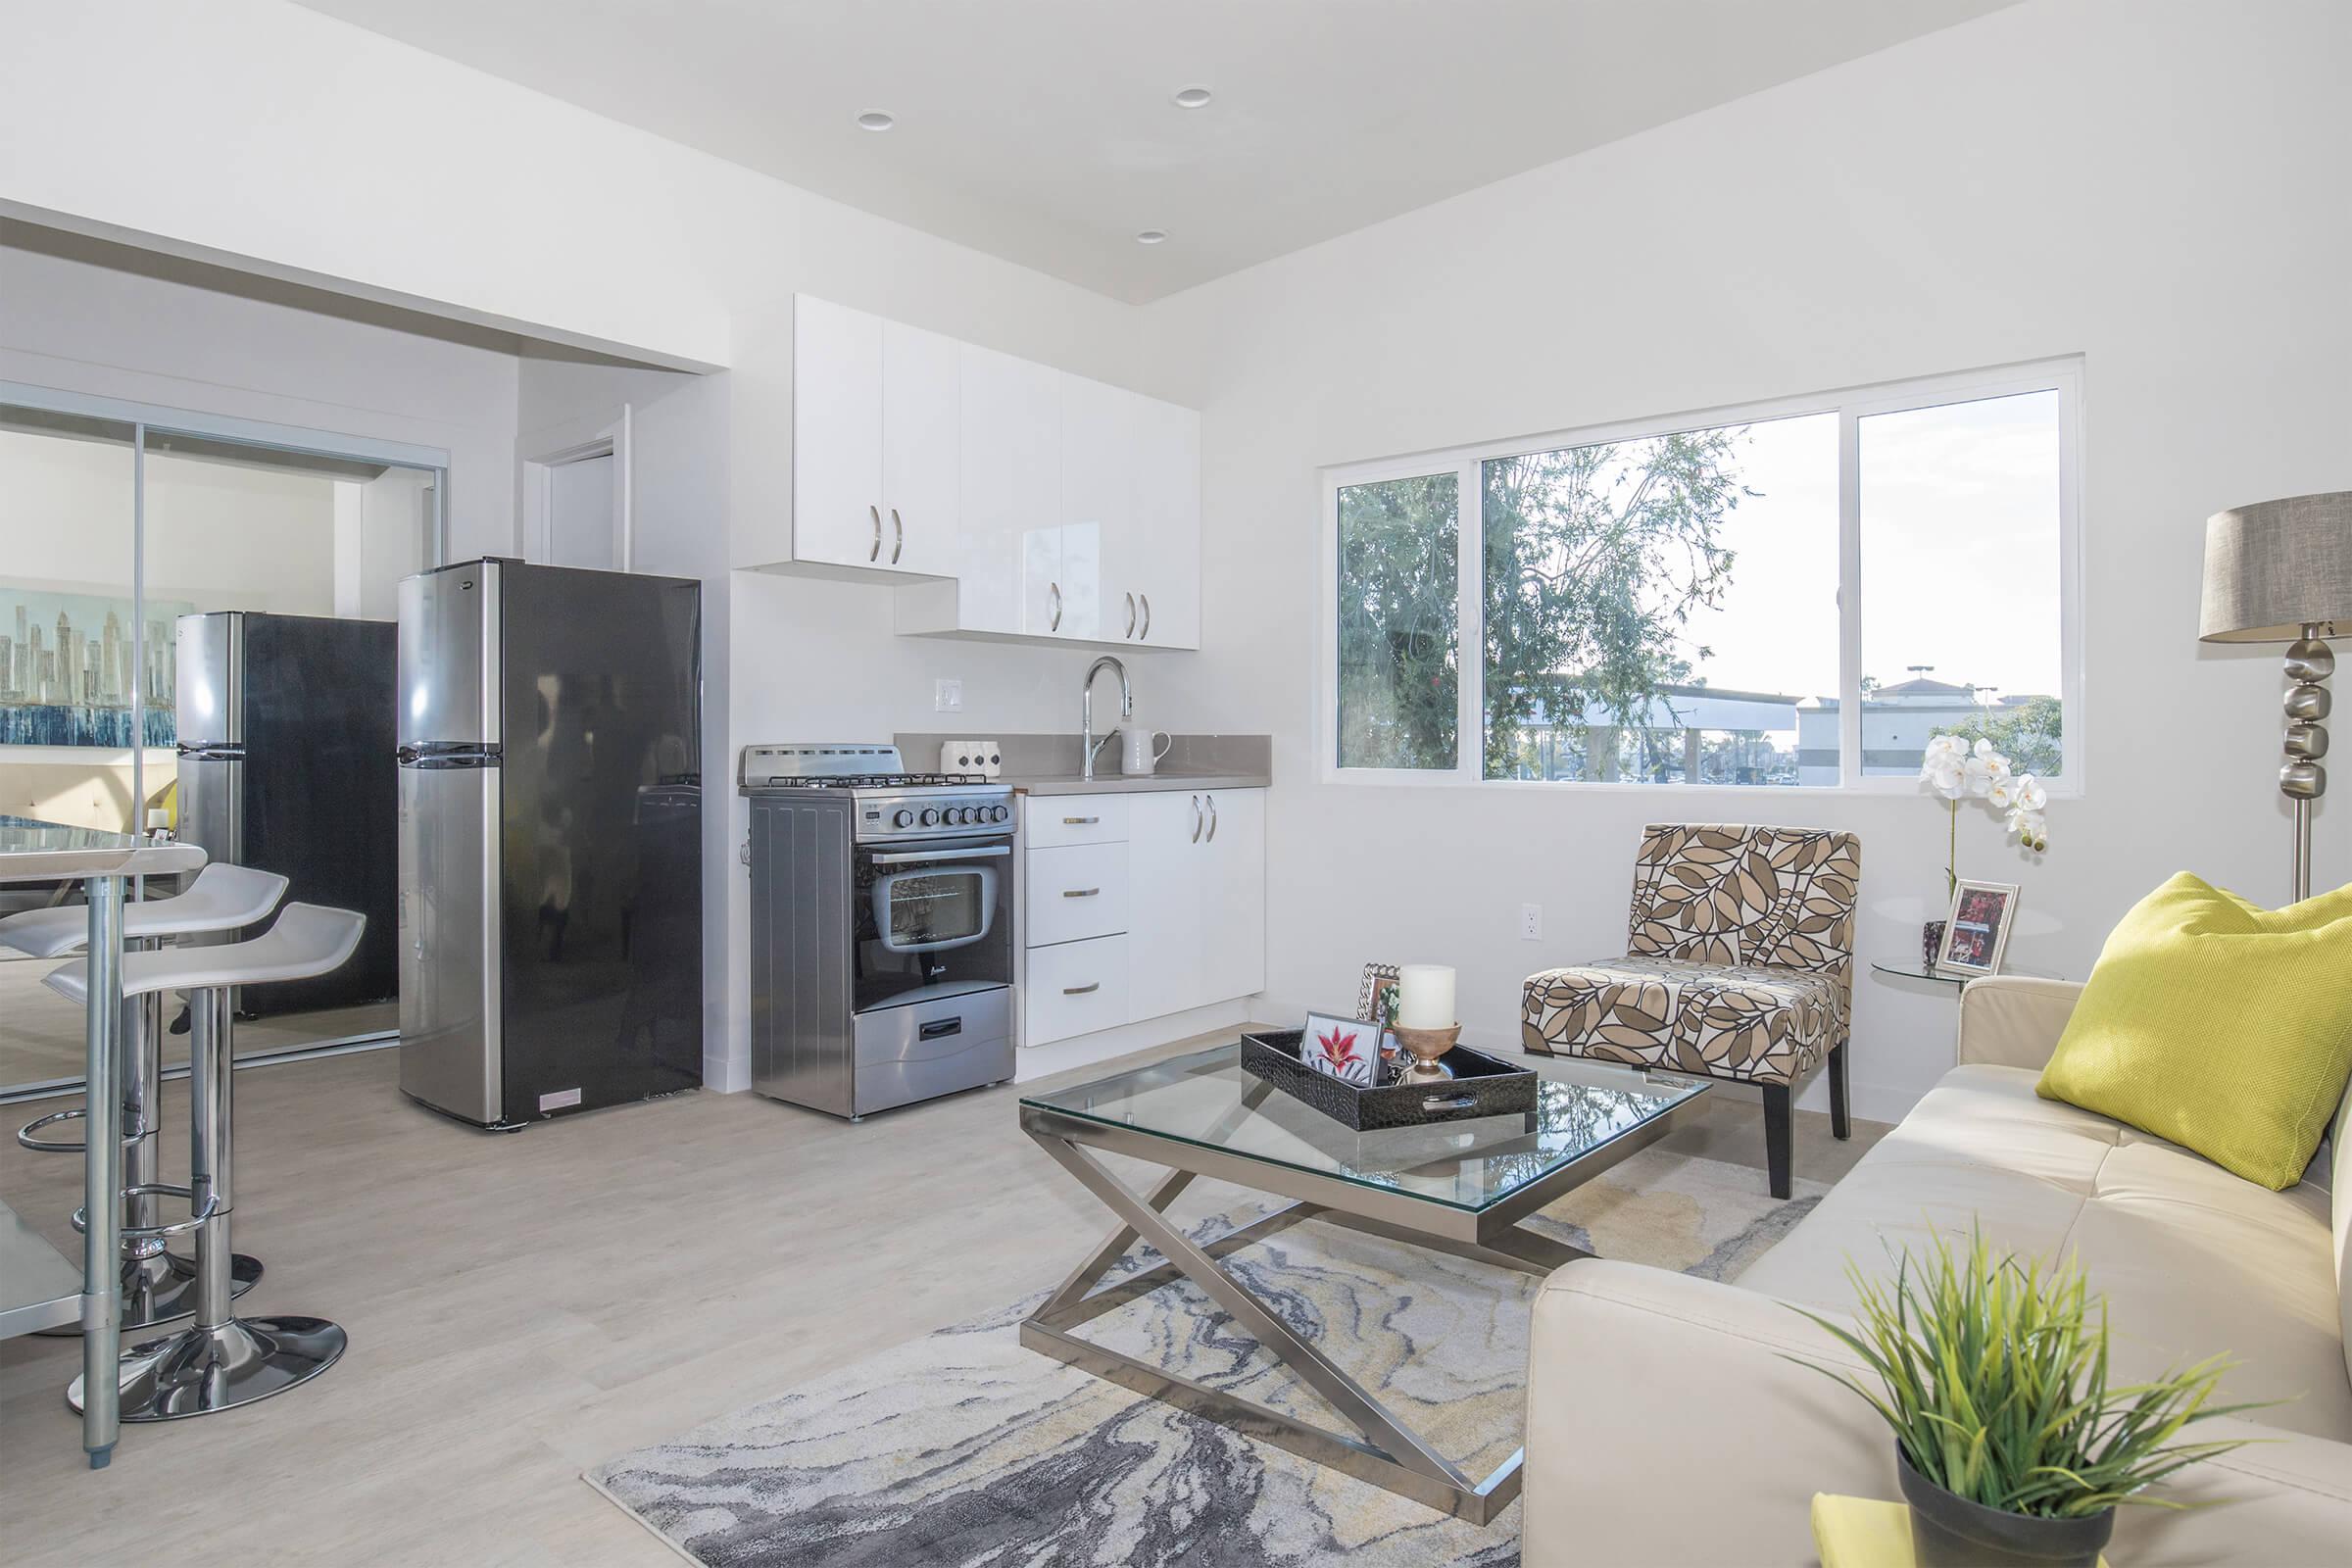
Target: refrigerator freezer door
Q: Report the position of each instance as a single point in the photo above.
(450, 1036)
(208, 689)
(450, 656)
(212, 791)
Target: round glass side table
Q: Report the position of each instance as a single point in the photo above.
(1915, 971)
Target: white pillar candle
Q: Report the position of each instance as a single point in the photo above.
(1425, 997)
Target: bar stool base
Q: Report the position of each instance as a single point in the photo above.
(162, 1288)
(198, 1371)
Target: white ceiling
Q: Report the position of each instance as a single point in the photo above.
(1044, 130)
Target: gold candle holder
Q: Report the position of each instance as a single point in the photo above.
(1428, 1047)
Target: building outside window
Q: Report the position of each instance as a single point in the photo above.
(1792, 595)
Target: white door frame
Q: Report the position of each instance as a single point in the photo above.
(577, 442)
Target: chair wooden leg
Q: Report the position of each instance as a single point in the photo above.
(1840, 1125)
(1779, 1132)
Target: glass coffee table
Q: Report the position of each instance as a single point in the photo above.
(1459, 1188)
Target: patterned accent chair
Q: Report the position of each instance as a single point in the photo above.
(1741, 967)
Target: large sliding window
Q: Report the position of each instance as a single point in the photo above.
(123, 529)
(1791, 595)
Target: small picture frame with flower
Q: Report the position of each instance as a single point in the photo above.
(1977, 932)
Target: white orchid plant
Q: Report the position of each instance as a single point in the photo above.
(1958, 772)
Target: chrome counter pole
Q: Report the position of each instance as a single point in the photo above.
(102, 1175)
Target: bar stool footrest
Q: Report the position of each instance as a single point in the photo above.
(197, 1215)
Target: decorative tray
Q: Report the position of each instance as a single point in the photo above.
(1481, 1086)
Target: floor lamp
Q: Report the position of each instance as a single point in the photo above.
(2281, 572)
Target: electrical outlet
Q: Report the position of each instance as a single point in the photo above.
(1531, 922)
(947, 696)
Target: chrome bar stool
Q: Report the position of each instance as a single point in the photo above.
(220, 1361)
(223, 898)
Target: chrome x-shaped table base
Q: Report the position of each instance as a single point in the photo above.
(1382, 1450)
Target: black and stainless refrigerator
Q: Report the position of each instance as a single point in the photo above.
(285, 748)
(551, 911)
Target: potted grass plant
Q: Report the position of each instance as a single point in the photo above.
(2012, 1446)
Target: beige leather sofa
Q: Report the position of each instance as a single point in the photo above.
(1666, 1425)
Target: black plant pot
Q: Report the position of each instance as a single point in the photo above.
(1949, 1530)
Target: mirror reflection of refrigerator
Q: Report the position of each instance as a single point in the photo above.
(285, 764)
(550, 787)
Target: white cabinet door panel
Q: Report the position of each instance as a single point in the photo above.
(837, 435)
(1232, 901)
(1164, 863)
(1165, 527)
(1011, 492)
(922, 396)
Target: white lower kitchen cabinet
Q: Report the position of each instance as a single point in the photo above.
(1074, 988)
(1184, 874)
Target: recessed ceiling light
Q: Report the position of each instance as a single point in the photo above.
(1192, 98)
(1151, 236)
(874, 120)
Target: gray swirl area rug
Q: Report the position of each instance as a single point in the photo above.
(961, 1449)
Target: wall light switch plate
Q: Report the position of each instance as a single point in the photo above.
(1531, 922)
(947, 696)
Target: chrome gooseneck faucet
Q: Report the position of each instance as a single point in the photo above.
(1087, 742)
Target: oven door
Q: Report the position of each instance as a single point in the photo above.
(932, 920)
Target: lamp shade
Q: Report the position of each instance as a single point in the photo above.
(2276, 566)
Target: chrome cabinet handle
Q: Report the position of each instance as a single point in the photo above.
(1131, 615)
(1080, 893)
(875, 554)
(1080, 822)
(1080, 991)
(1195, 819)
(898, 536)
(1054, 591)
(1212, 819)
(1147, 632)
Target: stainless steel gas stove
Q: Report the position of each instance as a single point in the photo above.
(882, 939)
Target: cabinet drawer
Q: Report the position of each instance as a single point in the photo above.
(1057, 820)
(1076, 891)
(1076, 988)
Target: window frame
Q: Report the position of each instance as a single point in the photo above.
(2063, 377)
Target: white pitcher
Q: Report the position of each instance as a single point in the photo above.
(1140, 750)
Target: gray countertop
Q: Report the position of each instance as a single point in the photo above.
(1122, 784)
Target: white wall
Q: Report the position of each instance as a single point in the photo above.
(2155, 185)
(81, 323)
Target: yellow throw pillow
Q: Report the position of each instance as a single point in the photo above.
(2220, 1025)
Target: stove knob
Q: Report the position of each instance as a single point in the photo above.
(930, 818)
(1001, 813)
(964, 814)
(905, 819)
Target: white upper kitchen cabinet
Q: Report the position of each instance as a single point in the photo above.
(1164, 528)
(922, 448)
(876, 446)
(1081, 507)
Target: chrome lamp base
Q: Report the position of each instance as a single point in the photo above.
(199, 1370)
(2302, 780)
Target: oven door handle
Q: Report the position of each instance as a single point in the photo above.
(916, 858)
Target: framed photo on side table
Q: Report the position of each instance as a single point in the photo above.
(1977, 932)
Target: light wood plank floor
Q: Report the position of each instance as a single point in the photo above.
(522, 1308)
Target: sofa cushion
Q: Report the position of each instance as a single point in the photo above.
(2192, 1260)
(1759, 1025)
(2218, 1024)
